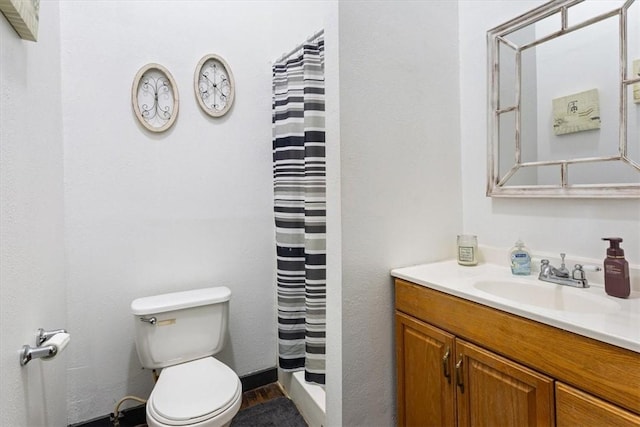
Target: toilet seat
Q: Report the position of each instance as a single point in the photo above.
(194, 392)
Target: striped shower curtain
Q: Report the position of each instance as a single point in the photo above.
(299, 209)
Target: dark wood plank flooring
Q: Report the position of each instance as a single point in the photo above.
(260, 395)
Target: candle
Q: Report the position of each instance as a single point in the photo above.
(467, 249)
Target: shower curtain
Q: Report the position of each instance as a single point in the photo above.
(299, 209)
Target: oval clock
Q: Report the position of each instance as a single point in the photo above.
(214, 85)
(154, 96)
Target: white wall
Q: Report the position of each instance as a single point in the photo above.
(188, 208)
(400, 177)
(333, 388)
(32, 267)
(571, 226)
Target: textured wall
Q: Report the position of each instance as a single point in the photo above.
(188, 208)
(32, 267)
(400, 177)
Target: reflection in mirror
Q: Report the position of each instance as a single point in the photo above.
(544, 27)
(591, 9)
(601, 173)
(633, 124)
(508, 73)
(633, 90)
(562, 120)
(527, 174)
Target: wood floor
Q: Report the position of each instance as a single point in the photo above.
(260, 395)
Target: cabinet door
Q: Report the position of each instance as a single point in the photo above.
(577, 408)
(494, 391)
(426, 393)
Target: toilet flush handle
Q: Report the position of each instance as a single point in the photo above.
(151, 320)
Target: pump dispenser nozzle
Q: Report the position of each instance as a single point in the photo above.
(614, 250)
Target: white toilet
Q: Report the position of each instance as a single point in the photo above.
(180, 332)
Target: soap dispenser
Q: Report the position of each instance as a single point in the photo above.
(520, 259)
(616, 270)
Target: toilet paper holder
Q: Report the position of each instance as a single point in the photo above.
(29, 353)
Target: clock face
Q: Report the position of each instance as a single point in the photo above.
(214, 85)
(154, 97)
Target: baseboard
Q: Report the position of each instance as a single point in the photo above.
(259, 379)
(135, 416)
(129, 417)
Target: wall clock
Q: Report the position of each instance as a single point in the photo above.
(154, 96)
(214, 85)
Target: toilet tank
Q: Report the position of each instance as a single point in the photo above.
(181, 326)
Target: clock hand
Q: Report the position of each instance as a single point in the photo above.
(204, 75)
(213, 84)
(217, 86)
(215, 69)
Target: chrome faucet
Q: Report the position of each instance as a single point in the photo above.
(561, 276)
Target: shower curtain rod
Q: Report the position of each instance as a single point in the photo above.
(297, 48)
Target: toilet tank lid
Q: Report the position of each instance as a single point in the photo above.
(180, 300)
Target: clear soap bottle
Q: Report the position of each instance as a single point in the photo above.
(520, 259)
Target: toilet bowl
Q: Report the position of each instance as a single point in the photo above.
(180, 332)
(202, 393)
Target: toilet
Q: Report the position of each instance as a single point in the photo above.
(179, 333)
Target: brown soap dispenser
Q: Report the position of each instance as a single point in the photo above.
(616, 270)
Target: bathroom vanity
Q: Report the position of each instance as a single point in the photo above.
(466, 356)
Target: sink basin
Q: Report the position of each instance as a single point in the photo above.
(548, 296)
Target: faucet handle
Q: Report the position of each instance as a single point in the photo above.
(579, 269)
(544, 268)
(563, 268)
(587, 267)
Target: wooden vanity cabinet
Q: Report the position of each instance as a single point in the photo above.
(445, 381)
(494, 391)
(426, 389)
(577, 408)
(464, 364)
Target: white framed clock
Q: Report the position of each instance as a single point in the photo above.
(154, 96)
(214, 85)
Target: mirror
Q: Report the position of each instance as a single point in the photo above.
(564, 101)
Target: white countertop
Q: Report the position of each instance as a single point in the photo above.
(619, 326)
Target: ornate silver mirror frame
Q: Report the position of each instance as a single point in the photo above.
(509, 109)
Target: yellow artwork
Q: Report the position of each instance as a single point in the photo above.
(576, 113)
